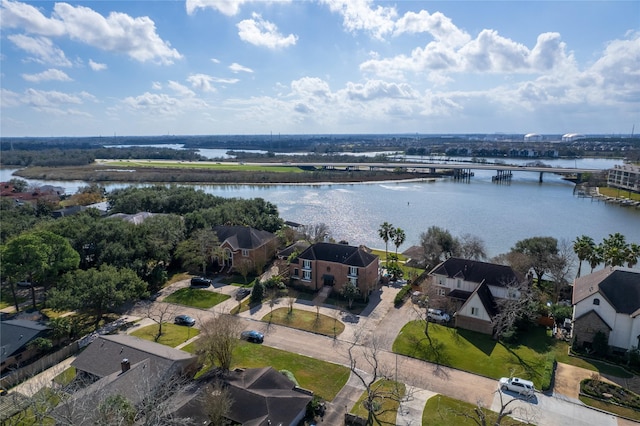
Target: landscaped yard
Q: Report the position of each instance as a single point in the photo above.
(561, 350)
(196, 297)
(441, 410)
(387, 393)
(478, 353)
(305, 320)
(325, 379)
(172, 334)
(610, 397)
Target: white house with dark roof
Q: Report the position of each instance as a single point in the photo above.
(473, 289)
(608, 300)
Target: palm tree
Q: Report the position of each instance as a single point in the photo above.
(398, 238)
(614, 250)
(583, 246)
(633, 253)
(385, 232)
(595, 257)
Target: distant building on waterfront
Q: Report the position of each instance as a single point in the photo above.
(533, 137)
(571, 137)
(625, 177)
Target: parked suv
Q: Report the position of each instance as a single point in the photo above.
(515, 384)
(438, 315)
(200, 282)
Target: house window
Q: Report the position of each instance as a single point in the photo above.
(474, 312)
(353, 271)
(245, 252)
(353, 280)
(459, 284)
(306, 275)
(295, 272)
(596, 301)
(306, 264)
(442, 292)
(441, 281)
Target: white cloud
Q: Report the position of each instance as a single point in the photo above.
(96, 66)
(50, 102)
(204, 82)
(263, 33)
(236, 68)
(21, 15)
(180, 89)
(215, 61)
(376, 89)
(156, 85)
(51, 74)
(42, 49)
(119, 32)
(359, 15)
(311, 87)
(154, 105)
(226, 7)
(436, 24)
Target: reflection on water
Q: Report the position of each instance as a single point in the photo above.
(501, 214)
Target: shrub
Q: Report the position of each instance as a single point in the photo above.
(600, 345)
(402, 295)
(257, 294)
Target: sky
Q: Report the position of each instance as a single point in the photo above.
(216, 67)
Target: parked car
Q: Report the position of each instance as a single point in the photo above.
(242, 293)
(200, 282)
(252, 336)
(24, 284)
(185, 320)
(438, 315)
(515, 384)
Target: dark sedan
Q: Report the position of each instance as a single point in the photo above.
(185, 320)
(252, 336)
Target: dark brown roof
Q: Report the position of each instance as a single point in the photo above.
(339, 253)
(477, 272)
(243, 237)
(620, 286)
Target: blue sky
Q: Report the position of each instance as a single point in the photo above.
(327, 66)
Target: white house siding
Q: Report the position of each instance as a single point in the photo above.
(503, 292)
(474, 302)
(621, 333)
(452, 283)
(604, 309)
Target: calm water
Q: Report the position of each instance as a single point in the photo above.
(501, 214)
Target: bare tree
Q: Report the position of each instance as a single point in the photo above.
(218, 338)
(292, 296)
(371, 372)
(561, 266)
(519, 304)
(243, 267)
(481, 416)
(316, 233)
(160, 313)
(472, 247)
(218, 402)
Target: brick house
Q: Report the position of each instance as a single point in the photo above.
(608, 301)
(333, 265)
(473, 289)
(244, 244)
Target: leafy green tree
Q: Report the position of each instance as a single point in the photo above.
(633, 253)
(596, 257)
(385, 232)
(257, 293)
(19, 185)
(97, 290)
(350, 291)
(583, 247)
(541, 252)
(438, 244)
(472, 247)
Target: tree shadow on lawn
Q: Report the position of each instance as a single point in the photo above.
(430, 349)
(481, 341)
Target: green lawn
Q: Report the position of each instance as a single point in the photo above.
(323, 378)
(305, 320)
(561, 350)
(441, 410)
(388, 408)
(196, 297)
(611, 408)
(478, 353)
(172, 334)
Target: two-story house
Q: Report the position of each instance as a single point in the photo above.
(608, 301)
(330, 264)
(245, 244)
(472, 289)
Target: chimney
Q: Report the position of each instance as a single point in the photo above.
(125, 364)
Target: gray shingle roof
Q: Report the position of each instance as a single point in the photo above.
(620, 286)
(338, 253)
(477, 272)
(16, 334)
(242, 237)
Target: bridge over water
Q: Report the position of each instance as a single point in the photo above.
(461, 170)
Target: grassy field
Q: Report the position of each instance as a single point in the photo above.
(612, 408)
(618, 193)
(196, 298)
(172, 334)
(305, 320)
(441, 410)
(478, 353)
(561, 351)
(323, 378)
(388, 408)
(207, 165)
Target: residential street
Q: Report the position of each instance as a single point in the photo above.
(377, 327)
